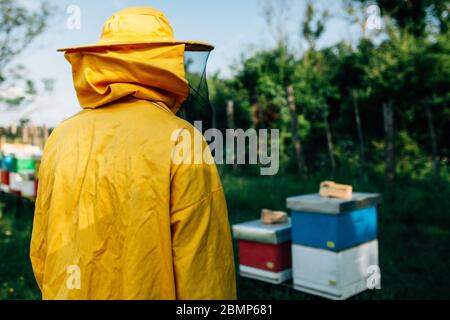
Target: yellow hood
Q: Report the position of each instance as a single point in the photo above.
(154, 73)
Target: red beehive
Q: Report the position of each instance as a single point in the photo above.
(265, 256)
(264, 250)
(4, 178)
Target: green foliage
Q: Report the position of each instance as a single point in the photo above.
(416, 16)
(16, 276)
(411, 70)
(313, 24)
(19, 26)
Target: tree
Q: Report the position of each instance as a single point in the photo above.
(432, 63)
(296, 140)
(414, 16)
(313, 24)
(354, 88)
(316, 69)
(19, 26)
(432, 131)
(276, 15)
(380, 104)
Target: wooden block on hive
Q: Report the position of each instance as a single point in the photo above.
(330, 189)
(272, 217)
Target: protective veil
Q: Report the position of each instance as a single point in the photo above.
(115, 217)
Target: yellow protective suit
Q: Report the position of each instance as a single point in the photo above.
(115, 217)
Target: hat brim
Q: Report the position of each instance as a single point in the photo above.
(190, 45)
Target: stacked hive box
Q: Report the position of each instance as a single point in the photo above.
(264, 251)
(334, 243)
(21, 179)
(7, 164)
(18, 165)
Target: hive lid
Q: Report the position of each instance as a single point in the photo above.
(259, 232)
(315, 203)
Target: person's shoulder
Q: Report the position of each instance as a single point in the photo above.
(181, 123)
(168, 120)
(152, 115)
(140, 119)
(65, 125)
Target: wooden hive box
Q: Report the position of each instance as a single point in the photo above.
(333, 275)
(21, 178)
(6, 165)
(333, 224)
(24, 164)
(264, 251)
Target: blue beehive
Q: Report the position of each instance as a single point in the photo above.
(334, 224)
(7, 163)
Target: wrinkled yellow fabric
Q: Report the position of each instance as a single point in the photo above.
(155, 73)
(112, 204)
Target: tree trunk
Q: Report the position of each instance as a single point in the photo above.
(259, 112)
(230, 114)
(294, 131)
(362, 149)
(432, 132)
(329, 142)
(25, 135)
(231, 125)
(2, 137)
(389, 157)
(46, 133)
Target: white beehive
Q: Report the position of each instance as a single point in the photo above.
(23, 184)
(27, 188)
(15, 181)
(264, 275)
(333, 275)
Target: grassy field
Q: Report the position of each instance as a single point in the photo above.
(16, 277)
(414, 235)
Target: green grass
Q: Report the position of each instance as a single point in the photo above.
(414, 236)
(414, 232)
(16, 276)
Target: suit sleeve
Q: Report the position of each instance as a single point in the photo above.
(38, 246)
(201, 238)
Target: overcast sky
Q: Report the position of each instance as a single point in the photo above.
(233, 26)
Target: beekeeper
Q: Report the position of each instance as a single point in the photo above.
(115, 217)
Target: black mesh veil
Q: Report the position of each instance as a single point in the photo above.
(197, 106)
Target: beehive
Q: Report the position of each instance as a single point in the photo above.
(334, 241)
(334, 224)
(264, 251)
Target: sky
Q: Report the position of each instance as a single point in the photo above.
(235, 27)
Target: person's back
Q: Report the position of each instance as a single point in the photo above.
(116, 217)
